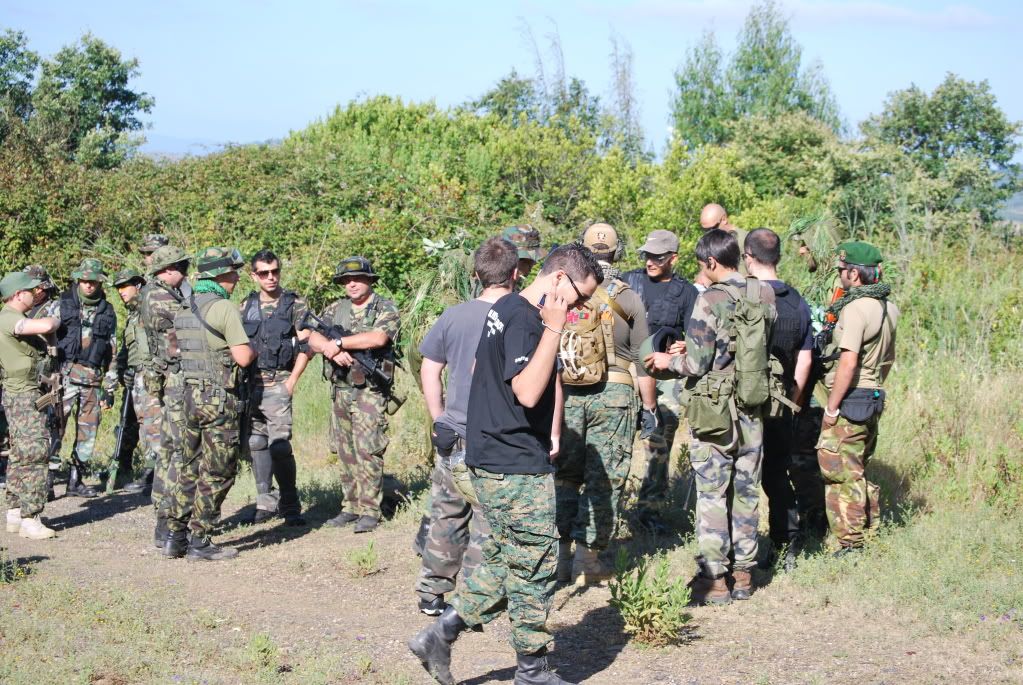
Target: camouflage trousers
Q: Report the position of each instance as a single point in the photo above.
(455, 537)
(209, 459)
(852, 502)
(82, 402)
(596, 451)
(362, 441)
(727, 496)
(169, 448)
(270, 444)
(30, 440)
(519, 558)
(653, 493)
(143, 420)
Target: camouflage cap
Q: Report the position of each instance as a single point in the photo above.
(166, 256)
(91, 269)
(526, 240)
(354, 266)
(127, 277)
(215, 261)
(16, 281)
(153, 242)
(37, 271)
(858, 252)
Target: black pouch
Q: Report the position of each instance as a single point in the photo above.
(862, 404)
(444, 438)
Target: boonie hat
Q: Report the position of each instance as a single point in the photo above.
(859, 253)
(354, 266)
(660, 242)
(127, 277)
(166, 256)
(216, 261)
(153, 242)
(91, 269)
(15, 281)
(37, 271)
(526, 240)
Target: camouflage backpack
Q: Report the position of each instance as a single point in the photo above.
(587, 347)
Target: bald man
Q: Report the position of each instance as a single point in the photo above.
(715, 216)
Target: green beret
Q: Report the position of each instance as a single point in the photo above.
(859, 253)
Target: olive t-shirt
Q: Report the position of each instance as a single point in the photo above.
(224, 317)
(860, 329)
(18, 356)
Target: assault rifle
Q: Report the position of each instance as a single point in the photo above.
(364, 358)
(118, 445)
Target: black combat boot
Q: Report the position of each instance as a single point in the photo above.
(160, 532)
(343, 519)
(76, 487)
(433, 645)
(203, 549)
(533, 669)
(144, 483)
(51, 476)
(176, 544)
(366, 524)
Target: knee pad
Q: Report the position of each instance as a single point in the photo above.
(257, 443)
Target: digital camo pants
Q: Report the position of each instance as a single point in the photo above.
(30, 442)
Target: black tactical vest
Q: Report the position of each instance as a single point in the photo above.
(69, 335)
(273, 338)
(786, 336)
(670, 311)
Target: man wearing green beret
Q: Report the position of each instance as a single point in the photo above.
(23, 358)
(85, 340)
(858, 353)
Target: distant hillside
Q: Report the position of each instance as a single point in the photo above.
(1013, 210)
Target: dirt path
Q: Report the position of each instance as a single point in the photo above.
(297, 586)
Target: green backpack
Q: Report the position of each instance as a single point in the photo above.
(749, 332)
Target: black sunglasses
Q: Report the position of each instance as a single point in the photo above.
(267, 273)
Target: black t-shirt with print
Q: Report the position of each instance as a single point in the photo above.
(502, 436)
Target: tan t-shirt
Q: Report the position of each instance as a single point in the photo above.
(860, 329)
(224, 317)
(18, 356)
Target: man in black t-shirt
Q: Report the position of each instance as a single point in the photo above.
(512, 433)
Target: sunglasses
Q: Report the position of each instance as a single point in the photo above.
(267, 273)
(582, 298)
(658, 258)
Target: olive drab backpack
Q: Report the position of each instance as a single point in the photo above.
(587, 347)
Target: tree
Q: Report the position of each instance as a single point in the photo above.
(764, 77)
(957, 134)
(18, 66)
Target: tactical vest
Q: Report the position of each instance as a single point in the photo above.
(159, 328)
(664, 312)
(355, 374)
(104, 324)
(200, 364)
(587, 346)
(273, 338)
(785, 337)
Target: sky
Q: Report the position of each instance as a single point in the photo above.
(247, 71)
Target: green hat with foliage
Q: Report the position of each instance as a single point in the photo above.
(858, 252)
(127, 277)
(37, 271)
(166, 256)
(354, 266)
(153, 242)
(91, 269)
(526, 240)
(215, 261)
(16, 281)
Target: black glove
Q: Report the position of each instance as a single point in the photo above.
(649, 422)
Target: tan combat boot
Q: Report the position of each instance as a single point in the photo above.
(712, 591)
(587, 567)
(565, 559)
(13, 520)
(742, 585)
(33, 529)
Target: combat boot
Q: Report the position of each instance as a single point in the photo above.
(342, 519)
(203, 549)
(76, 487)
(712, 591)
(176, 544)
(144, 482)
(33, 529)
(565, 559)
(13, 520)
(160, 532)
(432, 607)
(742, 584)
(533, 669)
(433, 645)
(366, 524)
(51, 475)
(587, 567)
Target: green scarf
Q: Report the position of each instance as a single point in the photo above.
(877, 291)
(206, 285)
(91, 301)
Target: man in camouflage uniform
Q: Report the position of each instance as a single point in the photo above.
(86, 343)
(22, 353)
(727, 439)
(213, 346)
(143, 414)
(44, 303)
(526, 240)
(360, 400)
(271, 316)
(160, 301)
(857, 359)
(513, 431)
(601, 410)
(150, 244)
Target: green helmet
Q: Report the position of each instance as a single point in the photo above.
(166, 256)
(45, 282)
(354, 266)
(215, 261)
(153, 242)
(91, 269)
(127, 277)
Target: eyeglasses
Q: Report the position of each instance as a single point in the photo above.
(582, 298)
(267, 273)
(658, 258)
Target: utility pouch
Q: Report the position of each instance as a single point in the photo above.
(862, 404)
(394, 402)
(711, 411)
(461, 478)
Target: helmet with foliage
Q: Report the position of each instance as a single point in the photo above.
(215, 261)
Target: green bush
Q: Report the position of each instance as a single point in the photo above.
(651, 603)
